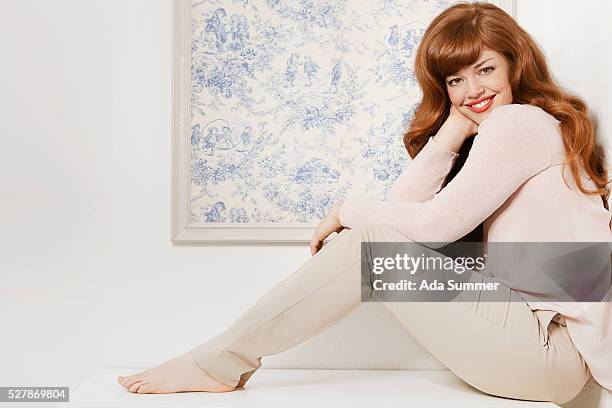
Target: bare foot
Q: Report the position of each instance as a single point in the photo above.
(179, 374)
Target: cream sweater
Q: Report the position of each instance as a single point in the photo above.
(512, 181)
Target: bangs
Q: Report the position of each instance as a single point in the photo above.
(454, 49)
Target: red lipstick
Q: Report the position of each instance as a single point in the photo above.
(482, 108)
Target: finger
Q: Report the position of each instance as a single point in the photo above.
(320, 245)
(313, 247)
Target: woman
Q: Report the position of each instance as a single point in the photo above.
(479, 73)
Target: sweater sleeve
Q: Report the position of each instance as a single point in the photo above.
(510, 148)
(424, 175)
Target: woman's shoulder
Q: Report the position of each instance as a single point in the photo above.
(520, 129)
(520, 114)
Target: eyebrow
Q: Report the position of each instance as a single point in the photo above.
(482, 62)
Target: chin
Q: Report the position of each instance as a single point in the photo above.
(480, 118)
(476, 117)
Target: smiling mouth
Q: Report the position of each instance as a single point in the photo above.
(482, 105)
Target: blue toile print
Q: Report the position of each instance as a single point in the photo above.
(298, 104)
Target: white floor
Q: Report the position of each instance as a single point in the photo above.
(297, 388)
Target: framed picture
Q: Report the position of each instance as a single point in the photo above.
(281, 108)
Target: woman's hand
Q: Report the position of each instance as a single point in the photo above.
(455, 130)
(464, 126)
(329, 224)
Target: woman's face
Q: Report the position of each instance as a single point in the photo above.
(486, 79)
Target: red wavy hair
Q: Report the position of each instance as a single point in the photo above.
(453, 40)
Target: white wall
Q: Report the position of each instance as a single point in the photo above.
(575, 37)
(89, 277)
(56, 134)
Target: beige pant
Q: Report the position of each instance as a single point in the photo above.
(500, 348)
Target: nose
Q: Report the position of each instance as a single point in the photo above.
(475, 89)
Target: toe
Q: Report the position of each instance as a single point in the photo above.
(131, 379)
(145, 388)
(134, 387)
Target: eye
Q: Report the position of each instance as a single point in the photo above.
(451, 82)
(484, 70)
(490, 68)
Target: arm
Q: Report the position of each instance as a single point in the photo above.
(509, 149)
(424, 175)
